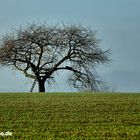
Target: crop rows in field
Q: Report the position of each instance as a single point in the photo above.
(70, 116)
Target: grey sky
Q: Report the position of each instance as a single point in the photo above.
(118, 24)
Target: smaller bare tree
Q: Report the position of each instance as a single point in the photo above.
(39, 51)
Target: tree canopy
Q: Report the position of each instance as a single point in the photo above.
(39, 51)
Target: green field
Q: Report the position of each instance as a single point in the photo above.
(70, 116)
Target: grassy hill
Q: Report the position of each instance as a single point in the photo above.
(70, 116)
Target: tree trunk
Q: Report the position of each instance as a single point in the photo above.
(41, 85)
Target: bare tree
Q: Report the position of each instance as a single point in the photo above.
(39, 51)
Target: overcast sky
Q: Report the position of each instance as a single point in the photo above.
(118, 25)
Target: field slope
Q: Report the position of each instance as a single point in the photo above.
(70, 116)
